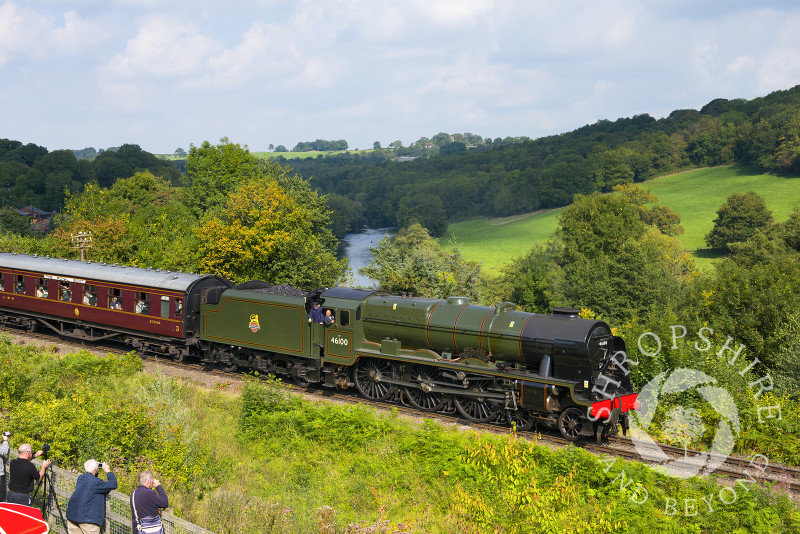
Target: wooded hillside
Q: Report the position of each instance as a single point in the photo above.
(547, 172)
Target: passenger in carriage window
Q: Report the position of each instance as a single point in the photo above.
(114, 304)
(143, 307)
(178, 307)
(90, 298)
(65, 293)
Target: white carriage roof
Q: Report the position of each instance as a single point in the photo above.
(101, 272)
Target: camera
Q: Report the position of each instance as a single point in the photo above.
(7, 433)
(100, 464)
(45, 450)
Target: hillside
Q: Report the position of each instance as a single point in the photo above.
(694, 195)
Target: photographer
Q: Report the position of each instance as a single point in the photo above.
(23, 474)
(86, 510)
(3, 456)
(146, 505)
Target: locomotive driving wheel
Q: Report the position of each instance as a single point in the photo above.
(476, 409)
(369, 375)
(422, 397)
(522, 419)
(570, 423)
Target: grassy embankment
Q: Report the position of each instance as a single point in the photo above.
(267, 461)
(695, 196)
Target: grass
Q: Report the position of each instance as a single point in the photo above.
(267, 461)
(496, 242)
(695, 196)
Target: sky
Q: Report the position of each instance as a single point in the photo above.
(169, 74)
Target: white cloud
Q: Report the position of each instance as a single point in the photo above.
(454, 13)
(164, 48)
(28, 34)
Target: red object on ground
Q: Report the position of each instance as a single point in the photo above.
(20, 519)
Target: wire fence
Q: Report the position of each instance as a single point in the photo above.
(53, 492)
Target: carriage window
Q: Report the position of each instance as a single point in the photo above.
(344, 318)
(41, 288)
(165, 307)
(114, 298)
(142, 303)
(178, 307)
(2, 282)
(65, 293)
(19, 286)
(90, 295)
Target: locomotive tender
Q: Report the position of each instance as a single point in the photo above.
(486, 363)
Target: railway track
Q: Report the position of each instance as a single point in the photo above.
(732, 467)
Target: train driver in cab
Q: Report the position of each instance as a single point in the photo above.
(315, 315)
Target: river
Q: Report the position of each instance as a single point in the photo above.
(355, 247)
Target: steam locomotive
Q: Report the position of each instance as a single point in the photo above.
(488, 364)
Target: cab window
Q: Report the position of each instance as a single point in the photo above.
(344, 317)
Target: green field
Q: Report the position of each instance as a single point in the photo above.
(300, 155)
(287, 155)
(695, 196)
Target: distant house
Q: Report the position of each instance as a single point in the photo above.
(40, 219)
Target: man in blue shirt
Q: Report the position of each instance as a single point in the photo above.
(86, 509)
(315, 315)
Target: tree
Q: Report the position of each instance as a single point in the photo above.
(738, 219)
(262, 233)
(413, 262)
(271, 147)
(453, 148)
(11, 221)
(663, 218)
(214, 171)
(376, 145)
(425, 209)
(526, 280)
(180, 152)
(608, 259)
(346, 214)
(141, 220)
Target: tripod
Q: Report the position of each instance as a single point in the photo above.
(48, 494)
